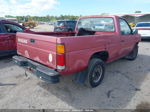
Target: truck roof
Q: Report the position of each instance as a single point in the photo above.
(11, 22)
(4, 20)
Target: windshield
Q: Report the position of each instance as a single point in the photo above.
(143, 25)
(71, 23)
(66, 23)
(103, 24)
(60, 23)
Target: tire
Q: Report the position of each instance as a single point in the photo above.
(95, 74)
(133, 54)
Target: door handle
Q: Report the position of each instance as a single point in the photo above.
(32, 40)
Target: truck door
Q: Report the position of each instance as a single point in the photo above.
(10, 31)
(3, 42)
(126, 37)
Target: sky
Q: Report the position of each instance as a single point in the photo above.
(71, 7)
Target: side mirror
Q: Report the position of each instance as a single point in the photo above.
(134, 31)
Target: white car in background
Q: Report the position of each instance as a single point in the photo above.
(143, 29)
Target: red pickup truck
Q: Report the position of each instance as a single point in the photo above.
(8, 32)
(98, 40)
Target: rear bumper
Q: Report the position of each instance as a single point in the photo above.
(43, 72)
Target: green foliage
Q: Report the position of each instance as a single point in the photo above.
(138, 11)
(47, 18)
(104, 13)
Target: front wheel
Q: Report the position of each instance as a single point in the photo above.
(95, 73)
(133, 54)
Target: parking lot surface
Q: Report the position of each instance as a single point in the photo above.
(126, 84)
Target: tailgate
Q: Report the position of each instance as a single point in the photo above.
(39, 48)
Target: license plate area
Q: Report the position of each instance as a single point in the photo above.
(32, 66)
(30, 69)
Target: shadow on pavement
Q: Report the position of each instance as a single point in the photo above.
(123, 79)
(6, 61)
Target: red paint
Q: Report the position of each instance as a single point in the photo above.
(60, 59)
(8, 40)
(78, 49)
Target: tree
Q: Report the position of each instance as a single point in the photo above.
(104, 13)
(47, 18)
(138, 11)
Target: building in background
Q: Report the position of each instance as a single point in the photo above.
(2, 18)
(136, 17)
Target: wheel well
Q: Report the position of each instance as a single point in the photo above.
(137, 43)
(103, 55)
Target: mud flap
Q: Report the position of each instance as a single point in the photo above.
(80, 77)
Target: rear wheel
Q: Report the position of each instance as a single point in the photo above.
(95, 73)
(133, 54)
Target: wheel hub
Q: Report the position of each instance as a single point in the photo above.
(97, 73)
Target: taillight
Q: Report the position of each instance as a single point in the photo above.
(60, 56)
(60, 48)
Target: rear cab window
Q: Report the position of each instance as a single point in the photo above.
(97, 24)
